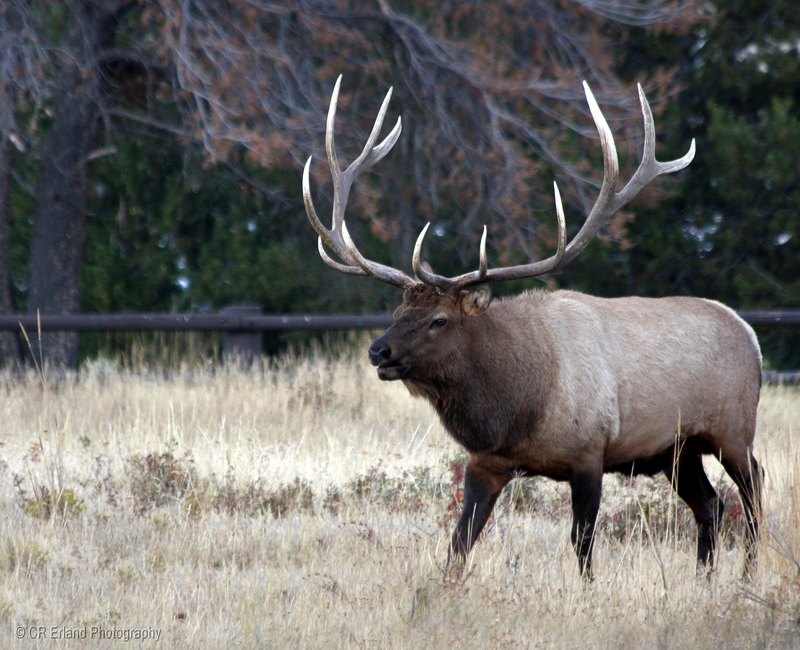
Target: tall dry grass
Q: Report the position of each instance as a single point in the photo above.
(306, 504)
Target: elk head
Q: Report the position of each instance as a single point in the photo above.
(438, 313)
(430, 326)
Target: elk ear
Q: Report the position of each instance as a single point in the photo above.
(476, 300)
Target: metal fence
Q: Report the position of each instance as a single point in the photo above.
(241, 326)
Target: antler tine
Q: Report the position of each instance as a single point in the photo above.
(337, 238)
(428, 277)
(597, 215)
(640, 177)
(330, 143)
(375, 269)
(484, 273)
(607, 203)
(344, 268)
(483, 266)
(442, 282)
(372, 154)
(561, 247)
(369, 155)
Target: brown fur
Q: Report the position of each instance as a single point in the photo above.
(569, 386)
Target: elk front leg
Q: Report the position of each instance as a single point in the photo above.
(481, 489)
(586, 488)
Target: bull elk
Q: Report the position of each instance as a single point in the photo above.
(560, 383)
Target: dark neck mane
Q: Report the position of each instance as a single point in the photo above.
(482, 400)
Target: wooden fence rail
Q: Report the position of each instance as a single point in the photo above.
(785, 318)
(249, 319)
(222, 322)
(241, 326)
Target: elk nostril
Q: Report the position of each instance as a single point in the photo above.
(379, 354)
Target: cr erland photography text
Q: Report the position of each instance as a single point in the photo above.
(96, 632)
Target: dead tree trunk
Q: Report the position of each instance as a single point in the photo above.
(10, 27)
(59, 223)
(9, 343)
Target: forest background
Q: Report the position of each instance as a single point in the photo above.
(151, 150)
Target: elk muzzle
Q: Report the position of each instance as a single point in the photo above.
(380, 355)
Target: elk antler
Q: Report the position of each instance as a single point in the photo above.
(337, 238)
(607, 203)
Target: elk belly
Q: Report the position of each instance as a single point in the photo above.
(648, 428)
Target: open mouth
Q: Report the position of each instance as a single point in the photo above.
(391, 370)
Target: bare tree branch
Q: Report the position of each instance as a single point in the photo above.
(489, 92)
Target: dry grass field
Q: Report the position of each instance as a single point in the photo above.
(305, 504)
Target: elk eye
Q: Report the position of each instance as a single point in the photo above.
(438, 322)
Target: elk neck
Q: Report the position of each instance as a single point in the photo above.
(490, 393)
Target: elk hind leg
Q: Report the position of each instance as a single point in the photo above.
(689, 480)
(746, 474)
(586, 489)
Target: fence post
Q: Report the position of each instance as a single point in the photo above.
(242, 346)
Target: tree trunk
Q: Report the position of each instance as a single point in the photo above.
(59, 223)
(9, 343)
(10, 25)
(58, 232)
